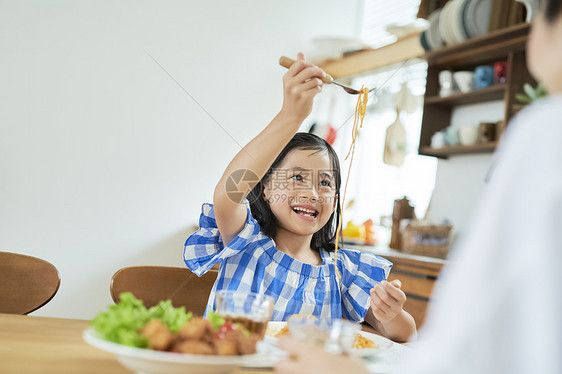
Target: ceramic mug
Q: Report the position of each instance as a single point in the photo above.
(446, 82)
(500, 72)
(464, 80)
(451, 136)
(468, 134)
(484, 76)
(438, 140)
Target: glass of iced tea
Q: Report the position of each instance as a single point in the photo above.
(248, 309)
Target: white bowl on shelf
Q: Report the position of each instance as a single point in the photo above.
(464, 80)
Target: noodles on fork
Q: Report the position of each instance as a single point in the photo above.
(360, 109)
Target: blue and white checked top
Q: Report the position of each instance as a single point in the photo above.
(252, 263)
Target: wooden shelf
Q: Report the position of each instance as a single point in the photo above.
(495, 92)
(503, 45)
(444, 152)
(488, 48)
(408, 47)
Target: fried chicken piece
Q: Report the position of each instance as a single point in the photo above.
(158, 335)
(197, 329)
(194, 347)
(225, 347)
(247, 344)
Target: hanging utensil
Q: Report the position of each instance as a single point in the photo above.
(395, 143)
(288, 62)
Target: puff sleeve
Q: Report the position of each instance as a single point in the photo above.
(205, 248)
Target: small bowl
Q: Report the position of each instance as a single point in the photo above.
(464, 80)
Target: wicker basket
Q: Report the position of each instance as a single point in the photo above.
(426, 240)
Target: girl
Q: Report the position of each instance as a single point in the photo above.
(272, 226)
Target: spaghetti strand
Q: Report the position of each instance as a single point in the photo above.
(360, 110)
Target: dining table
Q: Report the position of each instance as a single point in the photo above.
(47, 345)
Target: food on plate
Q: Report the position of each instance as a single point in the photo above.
(165, 328)
(283, 332)
(362, 342)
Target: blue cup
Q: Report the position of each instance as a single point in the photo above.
(483, 76)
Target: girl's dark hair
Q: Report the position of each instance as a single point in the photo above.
(552, 10)
(261, 211)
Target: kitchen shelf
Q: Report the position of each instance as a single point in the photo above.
(366, 60)
(460, 149)
(487, 48)
(495, 92)
(503, 45)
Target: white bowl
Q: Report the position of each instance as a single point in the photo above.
(464, 80)
(148, 361)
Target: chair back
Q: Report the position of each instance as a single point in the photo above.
(152, 284)
(26, 283)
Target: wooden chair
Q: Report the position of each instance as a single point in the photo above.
(152, 284)
(26, 283)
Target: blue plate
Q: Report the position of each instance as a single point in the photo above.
(423, 41)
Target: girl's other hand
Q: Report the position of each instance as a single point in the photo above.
(300, 84)
(306, 358)
(387, 300)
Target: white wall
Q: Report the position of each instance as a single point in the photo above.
(104, 160)
(461, 178)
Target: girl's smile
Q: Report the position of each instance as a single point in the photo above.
(301, 191)
(306, 212)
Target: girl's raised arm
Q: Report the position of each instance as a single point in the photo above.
(300, 84)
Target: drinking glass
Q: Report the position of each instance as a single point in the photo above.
(335, 336)
(250, 309)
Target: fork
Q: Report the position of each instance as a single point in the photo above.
(287, 62)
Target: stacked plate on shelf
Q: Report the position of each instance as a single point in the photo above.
(456, 22)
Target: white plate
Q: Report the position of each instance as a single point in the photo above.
(382, 343)
(449, 22)
(444, 24)
(457, 20)
(148, 361)
(478, 17)
(433, 36)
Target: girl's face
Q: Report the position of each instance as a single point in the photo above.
(302, 191)
(544, 52)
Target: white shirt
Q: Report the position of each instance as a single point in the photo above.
(498, 308)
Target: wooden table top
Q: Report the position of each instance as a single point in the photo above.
(44, 345)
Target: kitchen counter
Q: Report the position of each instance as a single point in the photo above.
(418, 274)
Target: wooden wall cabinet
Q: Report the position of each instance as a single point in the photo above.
(504, 45)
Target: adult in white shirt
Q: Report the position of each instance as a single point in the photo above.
(499, 306)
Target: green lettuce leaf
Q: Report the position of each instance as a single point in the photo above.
(172, 317)
(122, 322)
(216, 320)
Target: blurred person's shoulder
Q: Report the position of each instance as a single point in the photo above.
(535, 131)
(538, 119)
